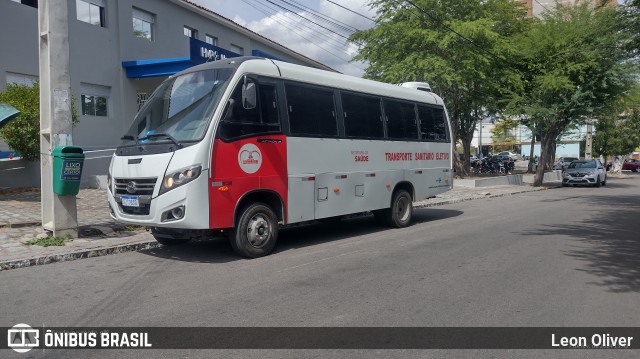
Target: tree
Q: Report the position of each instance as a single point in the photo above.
(22, 134)
(573, 68)
(619, 132)
(501, 132)
(458, 46)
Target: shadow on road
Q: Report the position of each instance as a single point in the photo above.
(218, 250)
(612, 236)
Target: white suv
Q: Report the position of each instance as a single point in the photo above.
(514, 156)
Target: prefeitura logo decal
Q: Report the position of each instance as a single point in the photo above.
(250, 158)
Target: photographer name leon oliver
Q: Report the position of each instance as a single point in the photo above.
(596, 341)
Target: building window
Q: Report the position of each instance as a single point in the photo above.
(237, 49)
(211, 40)
(94, 100)
(143, 24)
(91, 12)
(21, 79)
(190, 32)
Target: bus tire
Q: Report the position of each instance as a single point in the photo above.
(399, 215)
(170, 237)
(256, 231)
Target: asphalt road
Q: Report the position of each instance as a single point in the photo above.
(562, 257)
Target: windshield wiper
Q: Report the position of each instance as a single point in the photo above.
(165, 135)
(129, 138)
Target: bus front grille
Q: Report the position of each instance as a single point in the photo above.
(135, 186)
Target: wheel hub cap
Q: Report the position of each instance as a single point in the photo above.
(258, 231)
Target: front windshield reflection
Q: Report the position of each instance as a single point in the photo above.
(180, 109)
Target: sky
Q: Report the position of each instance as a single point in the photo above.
(302, 36)
(292, 31)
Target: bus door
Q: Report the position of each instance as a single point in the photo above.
(249, 152)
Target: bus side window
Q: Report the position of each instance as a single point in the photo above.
(401, 120)
(239, 122)
(433, 125)
(362, 116)
(311, 111)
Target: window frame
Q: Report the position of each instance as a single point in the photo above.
(213, 38)
(145, 17)
(95, 105)
(260, 80)
(102, 12)
(193, 31)
(444, 117)
(336, 109)
(415, 118)
(234, 47)
(344, 119)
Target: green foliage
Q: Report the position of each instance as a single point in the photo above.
(23, 133)
(47, 241)
(573, 68)
(617, 135)
(460, 47)
(500, 130)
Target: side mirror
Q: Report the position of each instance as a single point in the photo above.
(249, 97)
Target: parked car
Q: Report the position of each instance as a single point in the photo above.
(514, 156)
(631, 164)
(585, 172)
(563, 162)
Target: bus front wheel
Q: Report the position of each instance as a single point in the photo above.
(256, 231)
(399, 215)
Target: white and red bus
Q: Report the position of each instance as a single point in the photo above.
(248, 145)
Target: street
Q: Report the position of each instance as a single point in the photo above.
(561, 257)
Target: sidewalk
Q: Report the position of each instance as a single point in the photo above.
(100, 235)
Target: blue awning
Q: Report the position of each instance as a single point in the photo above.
(199, 53)
(154, 68)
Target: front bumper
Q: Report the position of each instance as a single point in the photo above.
(190, 196)
(582, 180)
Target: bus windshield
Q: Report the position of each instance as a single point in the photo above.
(180, 109)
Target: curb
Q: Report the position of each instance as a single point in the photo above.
(83, 253)
(458, 200)
(20, 224)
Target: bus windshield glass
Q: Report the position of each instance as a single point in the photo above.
(179, 111)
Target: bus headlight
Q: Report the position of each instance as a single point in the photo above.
(179, 178)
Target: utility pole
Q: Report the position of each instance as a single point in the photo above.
(589, 142)
(480, 141)
(59, 213)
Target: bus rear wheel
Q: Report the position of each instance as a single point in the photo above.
(400, 213)
(256, 231)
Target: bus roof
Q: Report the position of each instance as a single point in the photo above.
(285, 70)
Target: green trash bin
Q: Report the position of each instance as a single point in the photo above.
(67, 170)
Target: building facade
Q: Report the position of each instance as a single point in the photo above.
(537, 7)
(120, 50)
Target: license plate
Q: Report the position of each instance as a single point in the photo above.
(130, 201)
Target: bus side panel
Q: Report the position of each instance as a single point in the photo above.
(353, 176)
(243, 166)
